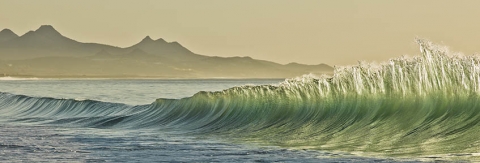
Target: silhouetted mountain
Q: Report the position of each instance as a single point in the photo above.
(6, 35)
(49, 31)
(46, 52)
(160, 47)
(151, 45)
(45, 37)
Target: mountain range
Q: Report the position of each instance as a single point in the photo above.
(45, 52)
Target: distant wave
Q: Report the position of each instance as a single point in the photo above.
(425, 105)
(15, 78)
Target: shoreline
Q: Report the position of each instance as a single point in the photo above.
(30, 77)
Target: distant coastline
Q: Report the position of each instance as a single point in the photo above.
(46, 53)
(130, 77)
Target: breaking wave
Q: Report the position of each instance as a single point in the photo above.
(425, 105)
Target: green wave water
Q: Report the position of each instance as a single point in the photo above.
(423, 106)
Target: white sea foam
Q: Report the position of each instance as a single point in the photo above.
(15, 78)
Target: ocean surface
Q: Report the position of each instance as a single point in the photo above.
(422, 108)
(40, 133)
(68, 120)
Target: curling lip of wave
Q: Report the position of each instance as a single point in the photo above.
(425, 105)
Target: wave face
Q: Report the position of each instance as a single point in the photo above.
(425, 105)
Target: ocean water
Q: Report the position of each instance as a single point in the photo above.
(423, 108)
(33, 129)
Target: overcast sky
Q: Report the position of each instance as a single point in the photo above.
(336, 32)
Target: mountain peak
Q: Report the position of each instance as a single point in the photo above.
(147, 39)
(46, 37)
(161, 40)
(7, 31)
(47, 30)
(7, 34)
(46, 27)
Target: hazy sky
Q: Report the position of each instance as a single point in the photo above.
(336, 32)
